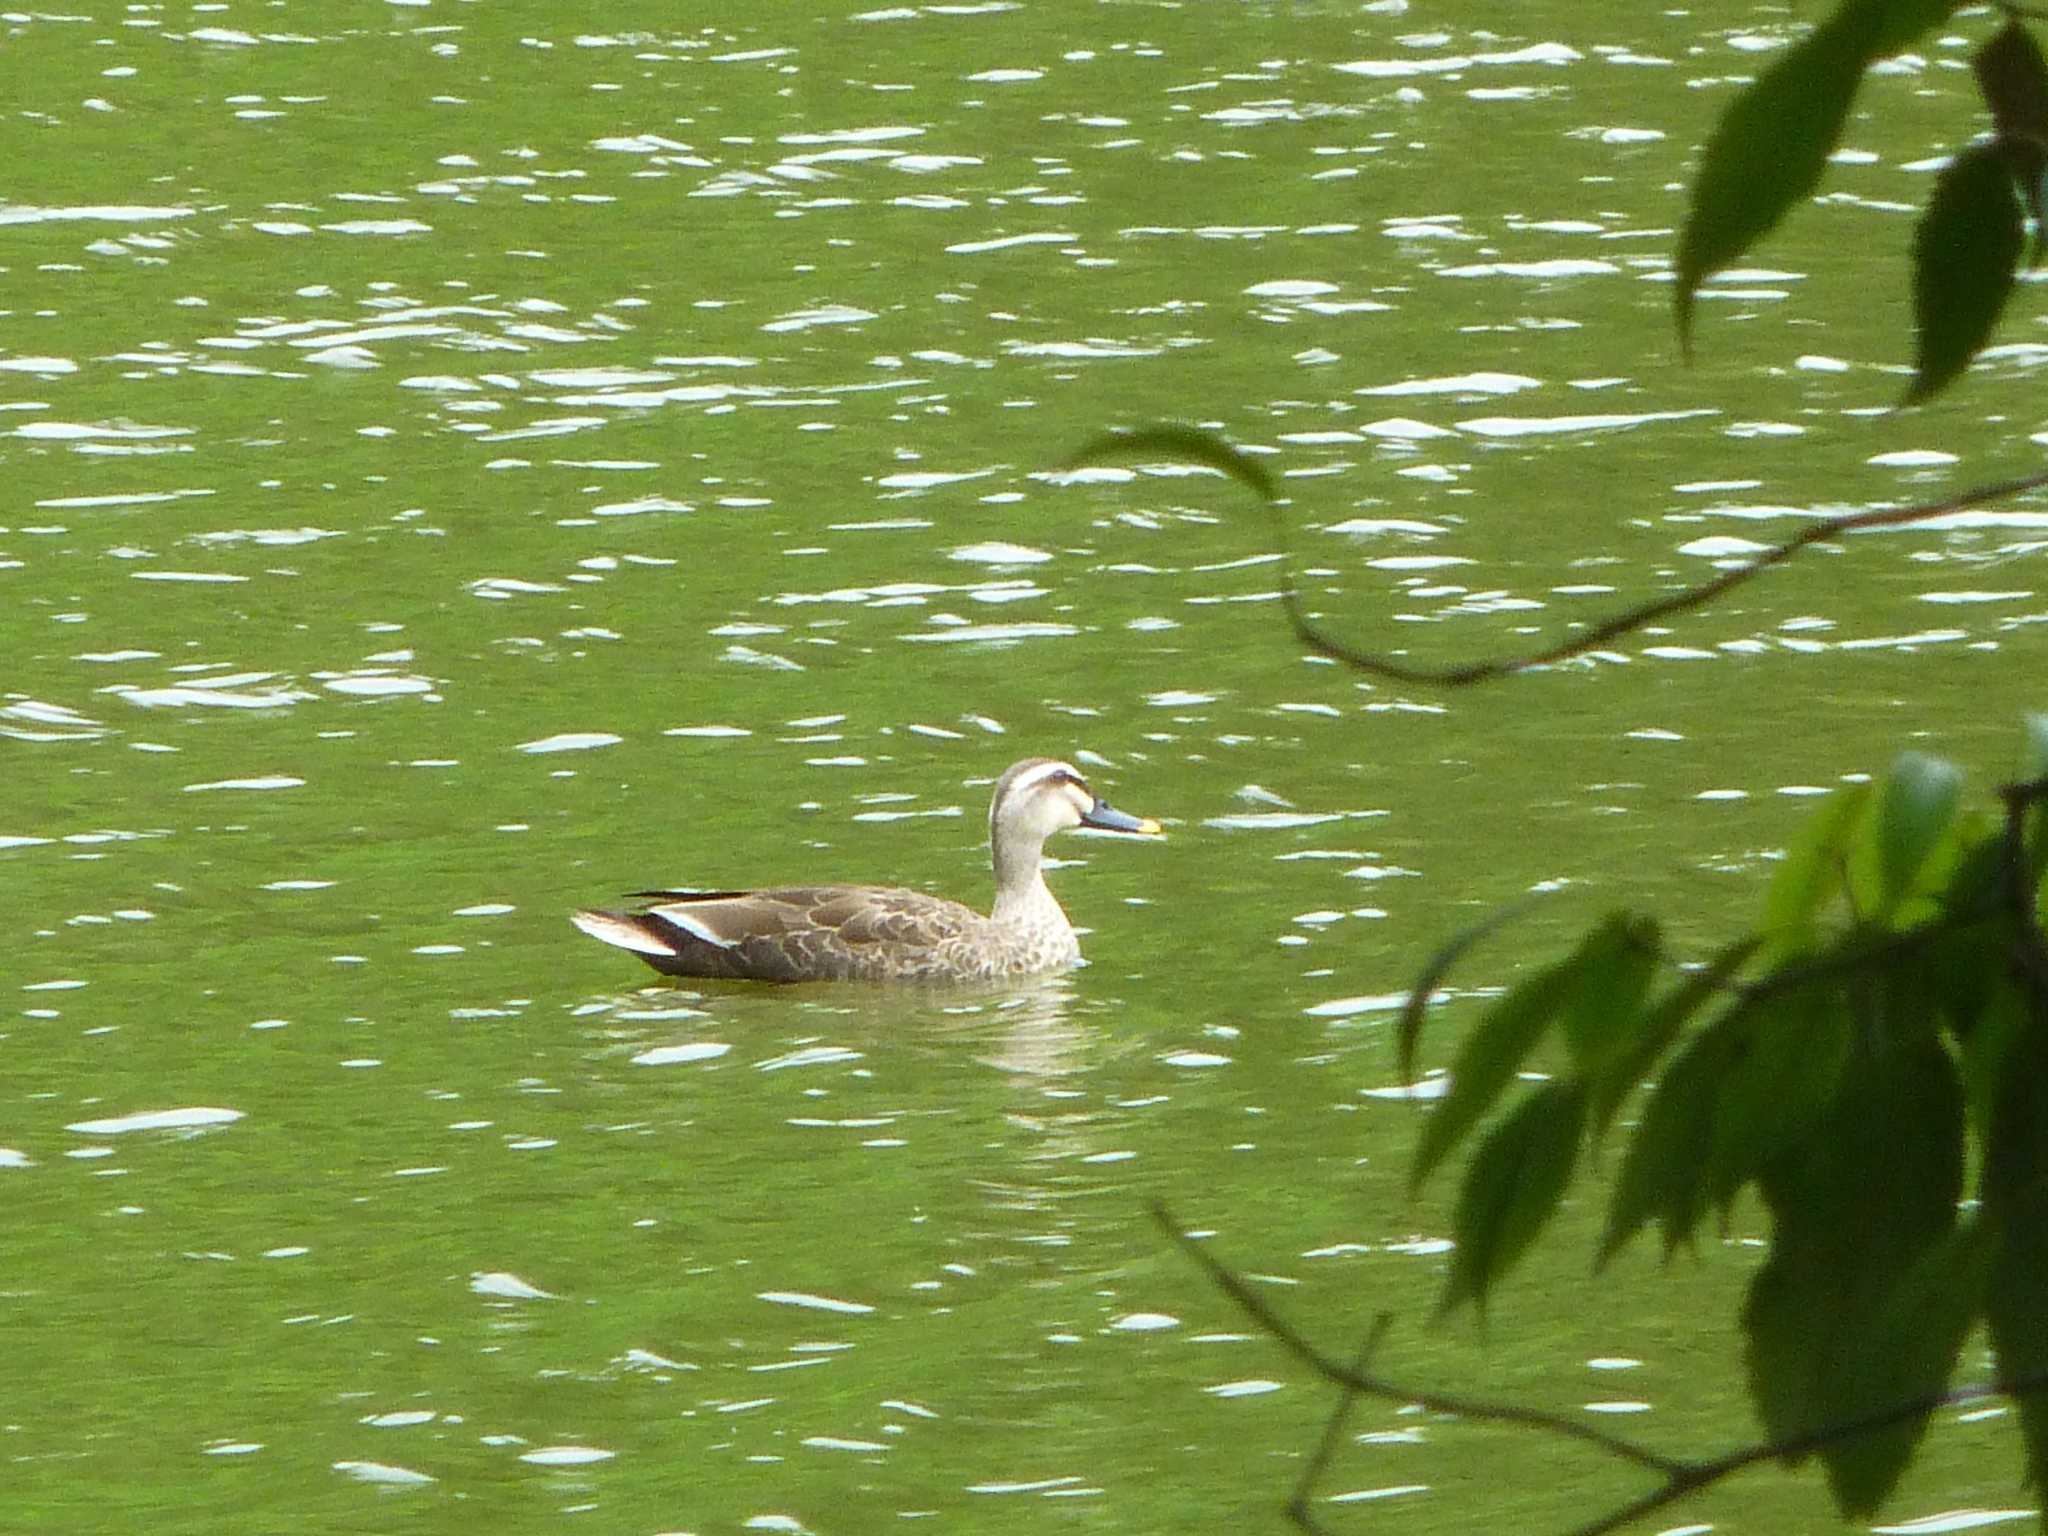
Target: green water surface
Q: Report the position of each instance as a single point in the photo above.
(464, 461)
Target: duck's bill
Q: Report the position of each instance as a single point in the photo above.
(1105, 817)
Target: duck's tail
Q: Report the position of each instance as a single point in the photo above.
(627, 930)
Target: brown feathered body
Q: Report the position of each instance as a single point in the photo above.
(838, 933)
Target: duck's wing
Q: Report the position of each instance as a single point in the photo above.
(791, 933)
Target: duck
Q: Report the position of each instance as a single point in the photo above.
(886, 933)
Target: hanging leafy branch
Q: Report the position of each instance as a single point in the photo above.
(1192, 445)
(1888, 1012)
(1769, 150)
(1680, 1477)
(1882, 1029)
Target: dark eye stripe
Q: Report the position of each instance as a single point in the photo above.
(1051, 776)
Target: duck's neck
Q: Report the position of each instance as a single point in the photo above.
(1023, 900)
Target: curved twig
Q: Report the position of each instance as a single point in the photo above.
(1366, 1384)
(1695, 1475)
(1298, 1509)
(1191, 445)
(1682, 1476)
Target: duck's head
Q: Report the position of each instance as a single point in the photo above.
(1042, 795)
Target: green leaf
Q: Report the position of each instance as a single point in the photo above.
(1909, 1351)
(1596, 993)
(1856, 1209)
(1998, 1026)
(1408, 1034)
(1511, 1188)
(1905, 1349)
(1812, 872)
(1770, 147)
(2013, 82)
(1613, 969)
(1777, 1086)
(1661, 1174)
(1489, 1059)
(1959, 875)
(1660, 1026)
(1772, 143)
(1915, 807)
(1965, 874)
(1965, 252)
(1884, 1166)
(1960, 965)
(1901, 23)
(2015, 1185)
(1181, 444)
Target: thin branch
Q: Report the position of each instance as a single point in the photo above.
(1367, 1384)
(1886, 949)
(1333, 1432)
(1681, 1476)
(1378, 665)
(1196, 445)
(1882, 949)
(1695, 1475)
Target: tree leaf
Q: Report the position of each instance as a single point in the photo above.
(1996, 1029)
(1960, 964)
(1855, 1209)
(1408, 1033)
(2015, 1209)
(1511, 1187)
(1915, 806)
(1489, 1059)
(1905, 1349)
(1909, 1351)
(1964, 876)
(1777, 1086)
(1812, 872)
(1902, 23)
(1966, 249)
(2013, 81)
(1769, 148)
(1182, 444)
(1884, 1166)
(1662, 1172)
(1614, 966)
(1660, 1026)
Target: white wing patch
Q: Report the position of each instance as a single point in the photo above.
(687, 920)
(622, 933)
